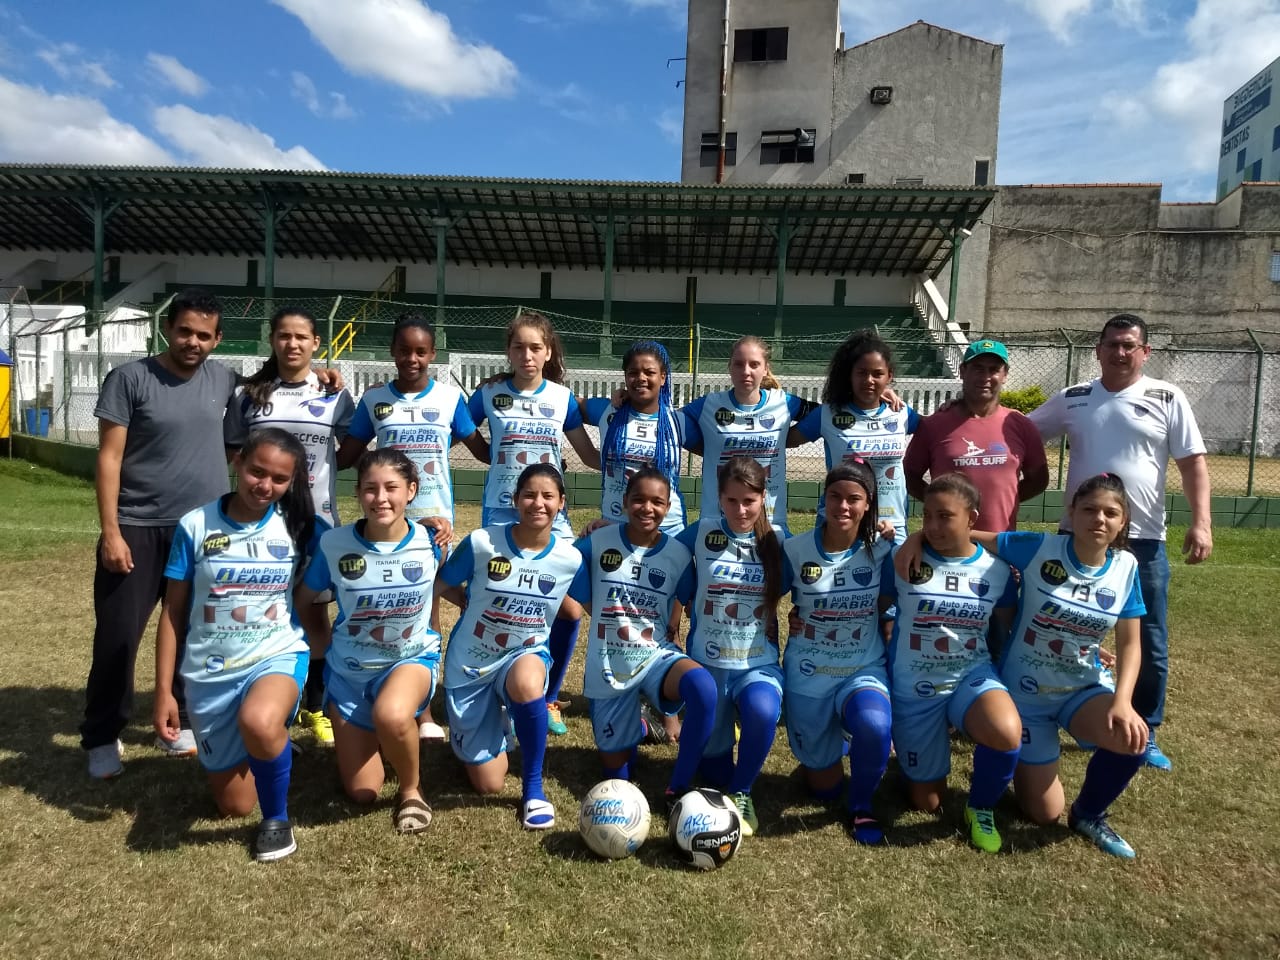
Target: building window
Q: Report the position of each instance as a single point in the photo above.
(852, 178)
(908, 181)
(1275, 139)
(1275, 266)
(788, 146)
(709, 155)
(755, 46)
(1255, 172)
(981, 172)
(1240, 161)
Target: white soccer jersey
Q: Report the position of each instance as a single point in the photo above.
(384, 599)
(727, 430)
(422, 427)
(512, 597)
(241, 580)
(1131, 433)
(320, 420)
(639, 445)
(632, 592)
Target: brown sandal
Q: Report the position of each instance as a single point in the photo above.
(411, 815)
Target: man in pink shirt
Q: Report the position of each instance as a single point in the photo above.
(999, 449)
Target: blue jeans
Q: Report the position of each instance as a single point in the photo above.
(1153, 677)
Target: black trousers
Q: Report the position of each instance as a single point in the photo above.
(122, 605)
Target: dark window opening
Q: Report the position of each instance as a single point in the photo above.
(710, 152)
(754, 46)
(788, 146)
(852, 178)
(981, 172)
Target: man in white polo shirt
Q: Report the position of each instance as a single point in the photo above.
(1131, 425)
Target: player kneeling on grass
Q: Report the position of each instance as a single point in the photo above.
(509, 582)
(231, 573)
(1075, 588)
(383, 653)
(836, 682)
(939, 662)
(631, 575)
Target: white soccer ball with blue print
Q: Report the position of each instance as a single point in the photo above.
(705, 828)
(614, 819)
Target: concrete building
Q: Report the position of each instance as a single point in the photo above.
(1250, 133)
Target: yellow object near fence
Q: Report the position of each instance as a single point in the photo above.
(6, 386)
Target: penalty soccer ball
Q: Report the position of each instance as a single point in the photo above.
(614, 819)
(706, 828)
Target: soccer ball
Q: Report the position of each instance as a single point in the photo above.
(614, 819)
(706, 828)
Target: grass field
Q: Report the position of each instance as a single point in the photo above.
(137, 867)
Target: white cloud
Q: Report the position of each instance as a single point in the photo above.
(304, 91)
(406, 43)
(671, 122)
(41, 127)
(220, 141)
(1058, 14)
(172, 72)
(68, 62)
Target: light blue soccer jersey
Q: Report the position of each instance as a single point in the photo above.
(1065, 611)
(524, 428)
(320, 420)
(512, 597)
(384, 599)
(639, 448)
(241, 580)
(726, 429)
(723, 589)
(943, 615)
(836, 598)
(422, 427)
(632, 593)
(877, 436)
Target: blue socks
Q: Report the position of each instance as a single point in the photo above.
(628, 768)
(759, 706)
(530, 720)
(868, 720)
(698, 691)
(716, 770)
(561, 641)
(271, 780)
(992, 773)
(1104, 780)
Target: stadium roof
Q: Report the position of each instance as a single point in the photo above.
(486, 221)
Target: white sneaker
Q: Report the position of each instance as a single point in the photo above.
(104, 761)
(184, 746)
(431, 731)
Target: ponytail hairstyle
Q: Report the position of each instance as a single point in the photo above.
(838, 390)
(858, 471)
(666, 451)
(1112, 484)
(260, 386)
(748, 472)
(296, 506)
(768, 381)
(413, 319)
(553, 369)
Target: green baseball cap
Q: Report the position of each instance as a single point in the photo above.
(993, 347)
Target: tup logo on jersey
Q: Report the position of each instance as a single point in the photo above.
(724, 416)
(215, 543)
(499, 568)
(610, 560)
(352, 566)
(503, 401)
(412, 570)
(923, 573)
(1053, 573)
(279, 548)
(383, 410)
(842, 420)
(716, 540)
(810, 572)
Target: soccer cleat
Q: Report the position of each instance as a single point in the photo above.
(555, 722)
(864, 828)
(747, 813)
(184, 746)
(320, 726)
(104, 761)
(1155, 758)
(537, 814)
(654, 730)
(1103, 837)
(670, 798)
(982, 829)
(273, 841)
(431, 732)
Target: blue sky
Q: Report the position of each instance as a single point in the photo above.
(1094, 90)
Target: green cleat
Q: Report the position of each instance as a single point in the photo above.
(747, 813)
(982, 829)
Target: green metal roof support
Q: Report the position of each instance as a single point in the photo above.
(957, 240)
(101, 209)
(441, 225)
(783, 235)
(606, 334)
(273, 213)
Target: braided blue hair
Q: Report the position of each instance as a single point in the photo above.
(666, 455)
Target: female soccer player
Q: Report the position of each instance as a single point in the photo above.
(529, 411)
(231, 573)
(632, 574)
(836, 683)
(731, 589)
(751, 419)
(385, 651)
(939, 662)
(509, 581)
(855, 422)
(287, 393)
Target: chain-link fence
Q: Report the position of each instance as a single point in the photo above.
(1231, 378)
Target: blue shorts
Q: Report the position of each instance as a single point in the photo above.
(1041, 720)
(615, 721)
(920, 726)
(478, 726)
(815, 725)
(505, 516)
(215, 720)
(355, 704)
(729, 687)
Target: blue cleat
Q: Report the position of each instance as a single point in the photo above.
(1103, 837)
(1155, 758)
